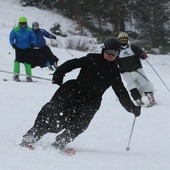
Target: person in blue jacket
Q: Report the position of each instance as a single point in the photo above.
(42, 53)
(22, 39)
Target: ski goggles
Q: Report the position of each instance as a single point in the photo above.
(22, 23)
(112, 52)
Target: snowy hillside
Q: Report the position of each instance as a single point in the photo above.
(103, 145)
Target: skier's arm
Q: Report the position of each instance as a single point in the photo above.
(47, 34)
(12, 38)
(138, 51)
(124, 97)
(67, 67)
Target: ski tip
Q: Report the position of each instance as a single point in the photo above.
(69, 151)
(28, 146)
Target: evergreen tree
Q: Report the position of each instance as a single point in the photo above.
(108, 17)
(151, 17)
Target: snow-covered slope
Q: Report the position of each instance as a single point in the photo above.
(102, 146)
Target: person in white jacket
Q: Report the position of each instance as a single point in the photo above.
(132, 71)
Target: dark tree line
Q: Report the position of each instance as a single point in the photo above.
(146, 21)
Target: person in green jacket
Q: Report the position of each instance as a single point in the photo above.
(22, 39)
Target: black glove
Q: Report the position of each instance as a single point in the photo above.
(136, 110)
(144, 56)
(54, 37)
(57, 79)
(14, 46)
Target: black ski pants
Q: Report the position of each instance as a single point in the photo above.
(68, 110)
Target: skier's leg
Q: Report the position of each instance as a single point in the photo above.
(143, 81)
(146, 86)
(69, 135)
(77, 123)
(28, 69)
(130, 78)
(51, 57)
(33, 135)
(62, 140)
(16, 70)
(44, 123)
(16, 67)
(136, 96)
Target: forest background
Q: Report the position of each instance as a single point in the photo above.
(147, 22)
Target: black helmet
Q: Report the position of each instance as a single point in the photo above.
(35, 25)
(112, 44)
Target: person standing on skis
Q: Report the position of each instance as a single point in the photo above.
(76, 101)
(42, 51)
(132, 71)
(22, 39)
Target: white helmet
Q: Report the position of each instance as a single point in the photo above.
(123, 35)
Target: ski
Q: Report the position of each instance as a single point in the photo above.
(29, 146)
(65, 151)
(69, 151)
(24, 81)
(21, 81)
(149, 105)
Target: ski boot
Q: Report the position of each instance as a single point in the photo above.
(150, 98)
(28, 142)
(59, 145)
(27, 145)
(29, 79)
(139, 102)
(16, 78)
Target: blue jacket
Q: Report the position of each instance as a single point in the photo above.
(40, 40)
(22, 37)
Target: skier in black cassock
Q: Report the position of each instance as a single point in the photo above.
(75, 103)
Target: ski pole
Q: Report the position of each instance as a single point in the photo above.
(158, 76)
(65, 48)
(128, 146)
(142, 75)
(40, 3)
(3, 71)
